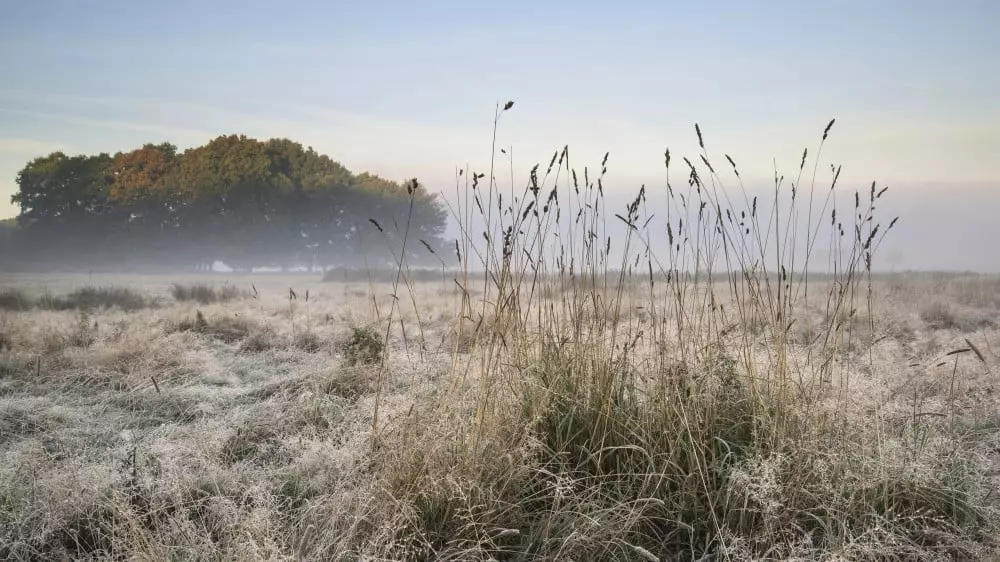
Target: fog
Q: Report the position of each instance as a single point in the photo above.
(940, 227)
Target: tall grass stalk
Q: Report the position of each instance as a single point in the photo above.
(627, 403)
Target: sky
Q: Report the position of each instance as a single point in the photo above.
(407, 89)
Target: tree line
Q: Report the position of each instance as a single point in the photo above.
(244, 202)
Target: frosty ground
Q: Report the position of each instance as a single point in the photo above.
(144, 426)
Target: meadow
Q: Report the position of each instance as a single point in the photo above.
(133, 432)
(551, 399)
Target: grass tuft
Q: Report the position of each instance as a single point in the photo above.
(940, 315)
(203, 293)
(15, 300)
(84, 298)
(364, 346)
(622, 405)
(94, 298)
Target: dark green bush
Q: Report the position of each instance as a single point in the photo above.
(364, 347)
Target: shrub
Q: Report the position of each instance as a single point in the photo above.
(203, 293)
(15, 299)
(364, 347)
(91, 298)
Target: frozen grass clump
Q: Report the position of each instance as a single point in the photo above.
(204, 293)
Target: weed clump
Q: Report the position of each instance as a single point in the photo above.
(251, 337)
(15, 300)
(84, 298)
(347, 382)
(92, 298)
(308, 342)
(462, 339)
(259, 340)
(203, 293)
(364, 346)
(85, 332)
(940, 316)
(200, 324)
(228, 329)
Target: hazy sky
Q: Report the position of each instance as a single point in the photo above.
(408, 88)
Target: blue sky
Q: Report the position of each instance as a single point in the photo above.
(408, 89)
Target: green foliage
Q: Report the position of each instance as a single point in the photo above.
(245, 202)
(364, 347)
(64, 190)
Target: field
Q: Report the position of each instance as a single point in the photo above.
(138, 425)
(563, 394)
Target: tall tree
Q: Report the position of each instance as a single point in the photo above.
(58, 187)
(144, 175)
(8, 227)
(64, 205)
(236, 199)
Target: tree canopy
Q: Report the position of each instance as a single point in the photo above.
(244, 202)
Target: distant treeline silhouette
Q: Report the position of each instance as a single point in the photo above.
(238, 200)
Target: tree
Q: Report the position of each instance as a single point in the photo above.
(8, 228)
(315, 190)
(236, 199)
(61, 188)
(144, 175)
(64, 206)
(405, 208)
